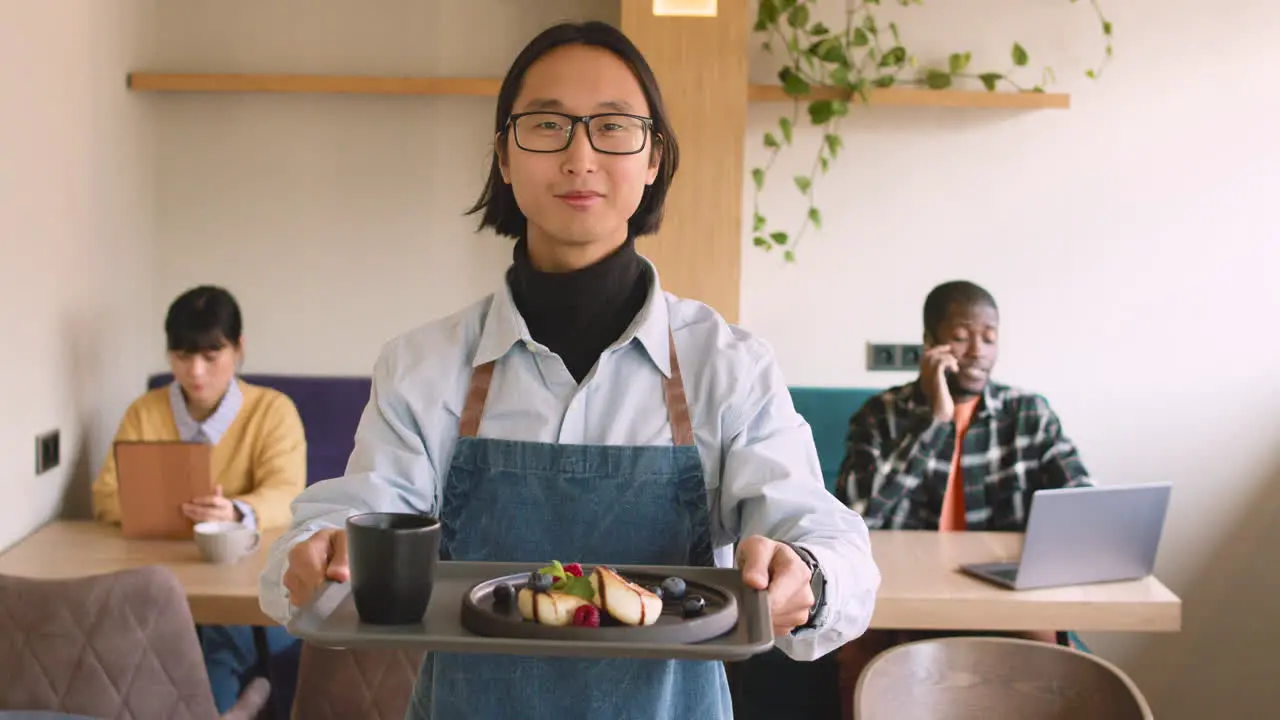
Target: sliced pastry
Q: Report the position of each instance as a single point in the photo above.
(624, 601)
(549, 608)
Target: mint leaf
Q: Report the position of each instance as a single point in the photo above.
(555, 570)
(579, 586)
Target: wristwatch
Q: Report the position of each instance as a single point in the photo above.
(817, 583)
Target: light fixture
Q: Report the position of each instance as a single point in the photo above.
(685, 8)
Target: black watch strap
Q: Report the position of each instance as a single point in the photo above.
(818, 584)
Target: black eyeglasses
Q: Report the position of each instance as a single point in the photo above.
(609, 133)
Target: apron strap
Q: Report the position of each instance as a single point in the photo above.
(673, 387)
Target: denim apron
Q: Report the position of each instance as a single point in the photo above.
(536, 502)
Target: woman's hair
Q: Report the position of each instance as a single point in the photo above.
(203, 319)
(499, 202)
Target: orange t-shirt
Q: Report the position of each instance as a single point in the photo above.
(953, 500)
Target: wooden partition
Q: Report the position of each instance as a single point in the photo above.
(701, 64)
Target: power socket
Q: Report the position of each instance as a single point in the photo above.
(909, 356)
(48, 452)
(882, 357)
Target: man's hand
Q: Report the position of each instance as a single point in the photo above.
(934, 365)
(773, 566)
(210, 507)
(321, 557)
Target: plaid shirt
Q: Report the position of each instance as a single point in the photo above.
(898, 459)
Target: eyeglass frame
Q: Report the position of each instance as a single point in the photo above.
(647, 122)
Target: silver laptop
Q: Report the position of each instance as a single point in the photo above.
(1085, 535)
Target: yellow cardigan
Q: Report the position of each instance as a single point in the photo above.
(261, 460)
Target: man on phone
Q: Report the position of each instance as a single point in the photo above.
(953, 450)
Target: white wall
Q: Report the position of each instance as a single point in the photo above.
(1125, 240)
(1128, 246)
(75, 244)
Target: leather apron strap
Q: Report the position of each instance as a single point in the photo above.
(673, 387)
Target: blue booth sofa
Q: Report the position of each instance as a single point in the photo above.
(330, 408)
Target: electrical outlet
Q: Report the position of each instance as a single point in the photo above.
(882, 357)
(48, 452)
(909, 356)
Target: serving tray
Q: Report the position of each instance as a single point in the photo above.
(461, 618)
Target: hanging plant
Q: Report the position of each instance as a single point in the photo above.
(848, 64)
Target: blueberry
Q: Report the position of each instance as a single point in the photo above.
(655, 590)
(503, 594)
(673, 587)
(540, 582)
(694, 605)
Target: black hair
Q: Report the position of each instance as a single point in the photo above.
(203, 319)
(498, 201)
(941, 298)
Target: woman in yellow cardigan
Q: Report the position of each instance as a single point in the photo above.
(259, 460)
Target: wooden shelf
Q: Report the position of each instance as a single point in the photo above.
(488, 87)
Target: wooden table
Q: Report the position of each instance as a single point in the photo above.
(922, 589)
(218, 594)
(920, 586)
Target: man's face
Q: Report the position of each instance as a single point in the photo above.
(972, 331)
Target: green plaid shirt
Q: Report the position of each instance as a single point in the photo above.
(897, 459)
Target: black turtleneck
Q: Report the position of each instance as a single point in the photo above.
(580, 313)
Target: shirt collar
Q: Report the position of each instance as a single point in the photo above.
(504, 327)
(992, 401)
(216, 425)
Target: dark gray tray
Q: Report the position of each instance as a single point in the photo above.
(331, 620)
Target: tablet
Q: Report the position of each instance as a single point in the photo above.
(155, 478)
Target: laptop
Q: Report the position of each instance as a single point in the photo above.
(1085, 535)
(155, 478)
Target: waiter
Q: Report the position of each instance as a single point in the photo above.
(580, 413)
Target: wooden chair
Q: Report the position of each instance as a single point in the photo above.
(991, 678)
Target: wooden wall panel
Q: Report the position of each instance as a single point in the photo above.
(701, 64)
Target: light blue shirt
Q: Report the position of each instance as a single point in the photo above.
(212, 429)
(761, 465)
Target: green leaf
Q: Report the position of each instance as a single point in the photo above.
(937, 80)
(860, 38)
(959, 61)
(883, 81)
(789, 256)
(798, 17)
(758, 223)
(1019, 55)
(785, 124)
(759, 241)
(803, 183)
(1091, 75)
(860, 88)
(824, 163)
(579, 586)
(771, 142)
(757, 176)
(555, 570)
(839, 108)
(840, 77)
(785, 5)
(820, 111)
(893, 28)
(815, 217)
(819, 29)
(792, 83)
(1106, 27)
(990, 80)
(895, 57)
(834, 143)
(767, 12)
(829, 50)
(779, 238)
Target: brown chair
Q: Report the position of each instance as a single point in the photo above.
(992, 678)
(357, 684)
(120, 645)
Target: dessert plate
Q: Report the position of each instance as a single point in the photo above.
(484, 615)
(330, 619)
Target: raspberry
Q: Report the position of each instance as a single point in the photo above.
(587, 616)
(573, 569)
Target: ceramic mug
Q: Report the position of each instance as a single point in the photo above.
(225, 541)
(393, 561)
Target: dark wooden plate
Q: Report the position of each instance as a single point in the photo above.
(483, 615)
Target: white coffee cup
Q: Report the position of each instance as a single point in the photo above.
(225, 541)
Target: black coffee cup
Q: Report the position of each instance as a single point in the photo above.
(393, 562)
